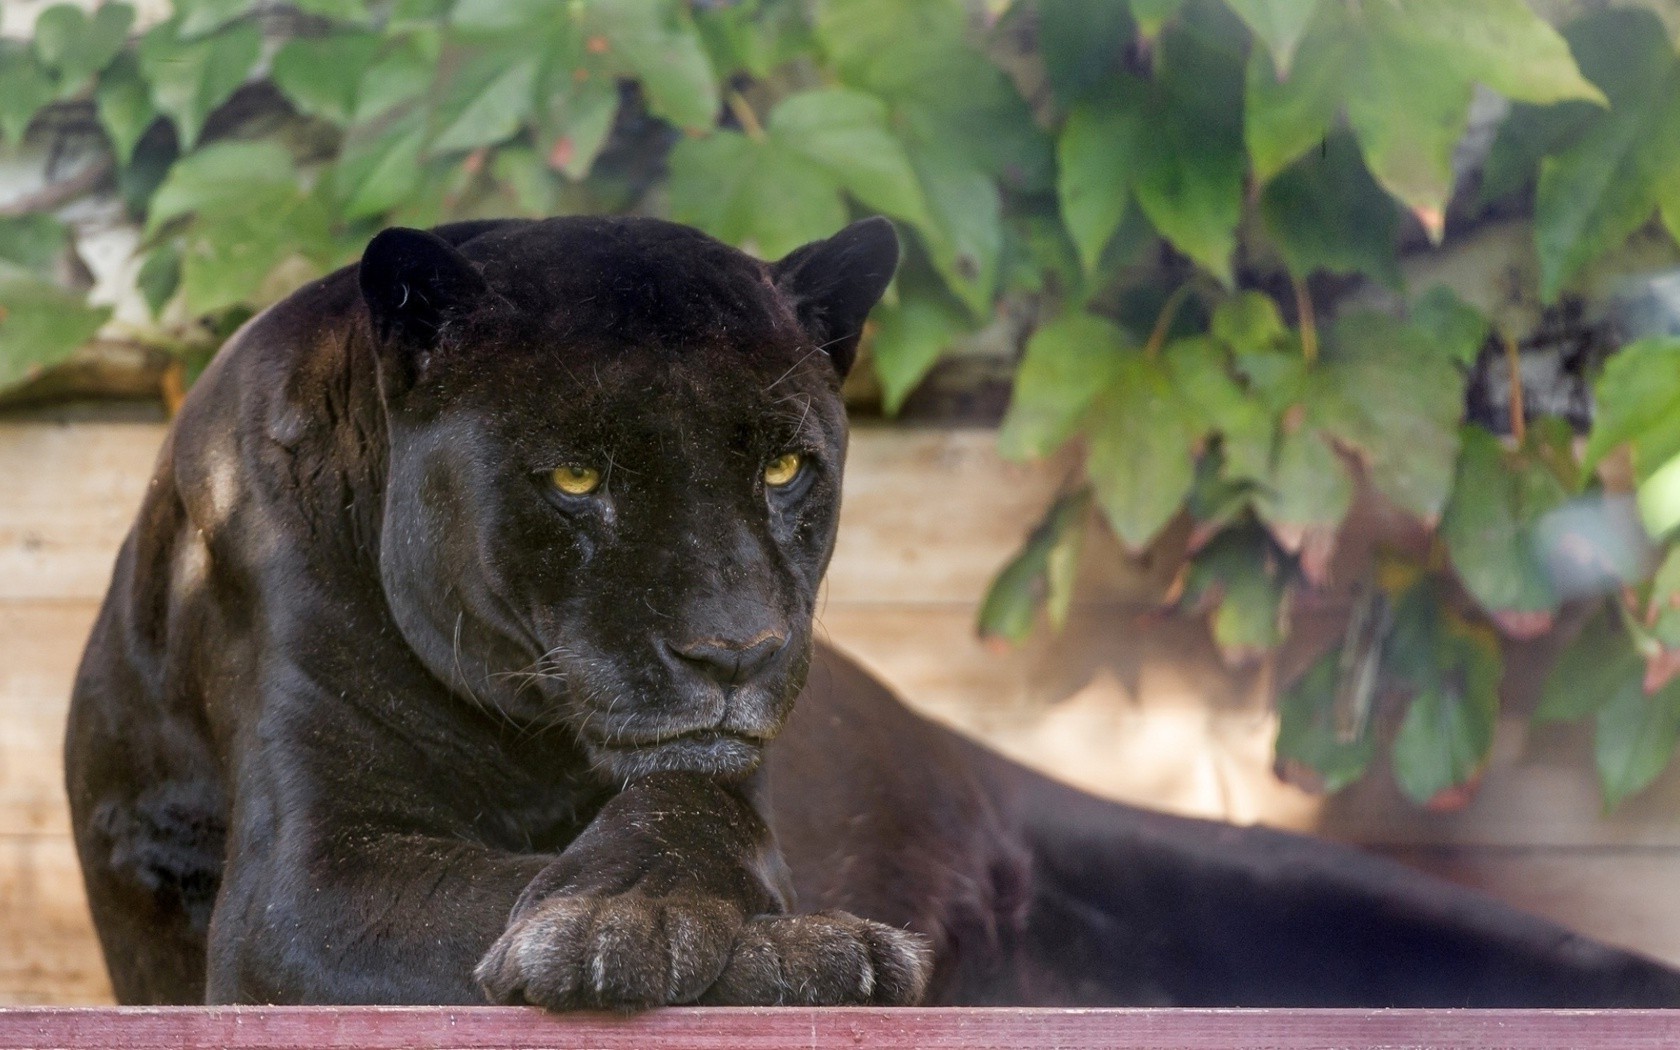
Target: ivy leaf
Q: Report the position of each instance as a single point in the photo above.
(1067, 364)
(1453, 668)
(124, 102)
(964, 230)
(41, 324)
(1279, 24)
(321, 75)
(1489, 530)
(1241, 583)
(1249, 322)
(159, 277)
(1403, 72)
(31, 242)
(190, 78)
(656, 42)
(198, 17)
(1453, 324)
(1597, 665)
(1093, 155)
(221, 180)
(1633, 739)
(908, 340)
(76, 46)
(1326, 213)
(487, 97)
(1083, 43)
(1153, 15)
(1606, 184)
(1407, 435)
(1638, 405)
(338, 10)
(1312, 751)
(575, 121)
(379, 168)
(755, 194)
(24, 88)
(1041, 575)
(845, 132)
(1140, 434)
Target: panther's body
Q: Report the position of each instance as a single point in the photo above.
(375, 713)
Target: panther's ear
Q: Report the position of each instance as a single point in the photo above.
(833, 284)
(413, 281)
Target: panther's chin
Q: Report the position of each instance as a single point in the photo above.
(725, 756)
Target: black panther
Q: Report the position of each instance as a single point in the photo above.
(463, 649)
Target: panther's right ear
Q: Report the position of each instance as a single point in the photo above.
(412, 282)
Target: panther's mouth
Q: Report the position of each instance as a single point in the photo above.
(713, 752)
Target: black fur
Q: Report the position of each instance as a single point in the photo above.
(374, 713)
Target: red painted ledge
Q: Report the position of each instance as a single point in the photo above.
(480, 1028)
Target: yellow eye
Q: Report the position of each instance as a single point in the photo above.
(576, 481)
(783, 469)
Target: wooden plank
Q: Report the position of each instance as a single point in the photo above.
(188, 1028)
(48, 953)
(928, 516)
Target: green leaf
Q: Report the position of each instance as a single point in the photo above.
(1404, 72)
(1489, 526)
(198, 17)
(378, 170)
(159, 277)
(77, 46)
(1279, 24)
(1139, 460)
(910, 337)
(1638, 404)
(1607, 183)
(656, 42)
(321, 75)
(355, 11)
(1153, 15)
(41, 324)
(24, 88)
(190, 78)
(1665, 601)
(1083, 43)
(1633, 739)
(400, 76)
(486, 99)
(845, 133)
(221, 180)
(32, 242)
(575, 121)
(1094, 155)
(1453, 668)
(125, 106)
(1310, 747)
(1041, 575)
(1458, 328)
(1326, 213)
(1388, 392)
(756, 194)
(1600, 663)
(1249, 322)
(1067, 364)
(964, 231)
(1241, 582)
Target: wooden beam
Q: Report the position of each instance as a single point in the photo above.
(366, 1028)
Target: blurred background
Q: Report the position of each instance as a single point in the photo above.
(1276, 416)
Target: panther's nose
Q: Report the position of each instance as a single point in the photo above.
(726, 661)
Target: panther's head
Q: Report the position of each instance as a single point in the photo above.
(614, 473)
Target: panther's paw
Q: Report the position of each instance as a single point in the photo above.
(623, 952)
(828, 959)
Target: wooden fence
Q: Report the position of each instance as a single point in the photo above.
(1124, 702)
(739, 1028)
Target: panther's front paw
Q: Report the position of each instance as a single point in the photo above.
(832, 958)
(624, 952)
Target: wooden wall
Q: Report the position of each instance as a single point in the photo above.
(1125, 703)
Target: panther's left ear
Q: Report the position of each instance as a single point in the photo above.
(412, 282)
(834, 283)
